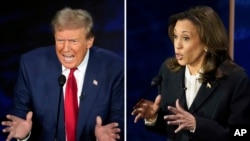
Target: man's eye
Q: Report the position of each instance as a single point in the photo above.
(60, 41)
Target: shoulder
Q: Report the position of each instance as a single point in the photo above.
(230, 68)
(105, 55)
(104, 52)
(39, 56)
(165, 70)
(38, 52)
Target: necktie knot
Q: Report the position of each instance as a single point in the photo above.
(72, 70)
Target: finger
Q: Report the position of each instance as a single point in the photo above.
(10, 117)
(98, 121)
(117, 136)
(138, 104)
(7, 123)
(173, 122)
(173, 109)
(114, 136)
(29, 116)
(158, 100)
(178, 105)
(10, 136)
(135, 112)
(137, 117)
(116, 130)
(171, 117)
(113, 125)
(7, 129)
(13, 118)
(179, 128)
(4, 123)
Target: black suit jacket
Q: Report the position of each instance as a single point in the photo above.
(219, 104)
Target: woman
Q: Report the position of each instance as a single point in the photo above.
(203, 92)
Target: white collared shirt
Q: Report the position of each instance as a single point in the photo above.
(192, 86)
(79, 75)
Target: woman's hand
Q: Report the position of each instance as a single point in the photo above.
(180, 117)
(146, 109)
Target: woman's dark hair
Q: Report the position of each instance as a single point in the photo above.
(212, 34)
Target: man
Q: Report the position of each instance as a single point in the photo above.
(41, 113)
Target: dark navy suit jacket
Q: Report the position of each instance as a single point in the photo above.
(37, 89)
(220, 104)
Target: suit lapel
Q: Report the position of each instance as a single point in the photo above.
(203, 94)
(91, 85)
(52, 90)
(174, 86)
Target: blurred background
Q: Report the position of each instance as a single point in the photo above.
(148, 45)
(25, 25)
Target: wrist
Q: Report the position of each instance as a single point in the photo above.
(152, 119)
(25, 138)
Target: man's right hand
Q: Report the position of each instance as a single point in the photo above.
(17, 127)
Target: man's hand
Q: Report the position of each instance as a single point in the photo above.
(17, 127)
(109, 132)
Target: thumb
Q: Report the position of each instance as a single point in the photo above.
(98, 121)
(29, 115)
(178, 105)
(158, 99)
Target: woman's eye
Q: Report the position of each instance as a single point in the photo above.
(186, 38)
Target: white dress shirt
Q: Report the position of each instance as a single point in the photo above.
(79, 75)
(192, 86)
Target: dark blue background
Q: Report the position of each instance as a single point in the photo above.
(148, 45)
(25, 25)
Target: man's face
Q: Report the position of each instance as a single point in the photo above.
(71, 46)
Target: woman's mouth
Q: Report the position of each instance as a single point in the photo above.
(178, 56)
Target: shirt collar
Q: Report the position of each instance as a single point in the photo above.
(188, 74)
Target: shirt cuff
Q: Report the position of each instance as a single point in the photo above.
(192, 130)
(150, 122)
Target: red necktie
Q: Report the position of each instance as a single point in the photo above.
(71, 106)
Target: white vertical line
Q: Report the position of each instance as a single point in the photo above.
(125, 72)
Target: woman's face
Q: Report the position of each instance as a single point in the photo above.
(189, 50)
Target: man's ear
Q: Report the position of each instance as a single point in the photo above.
(90, 42)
